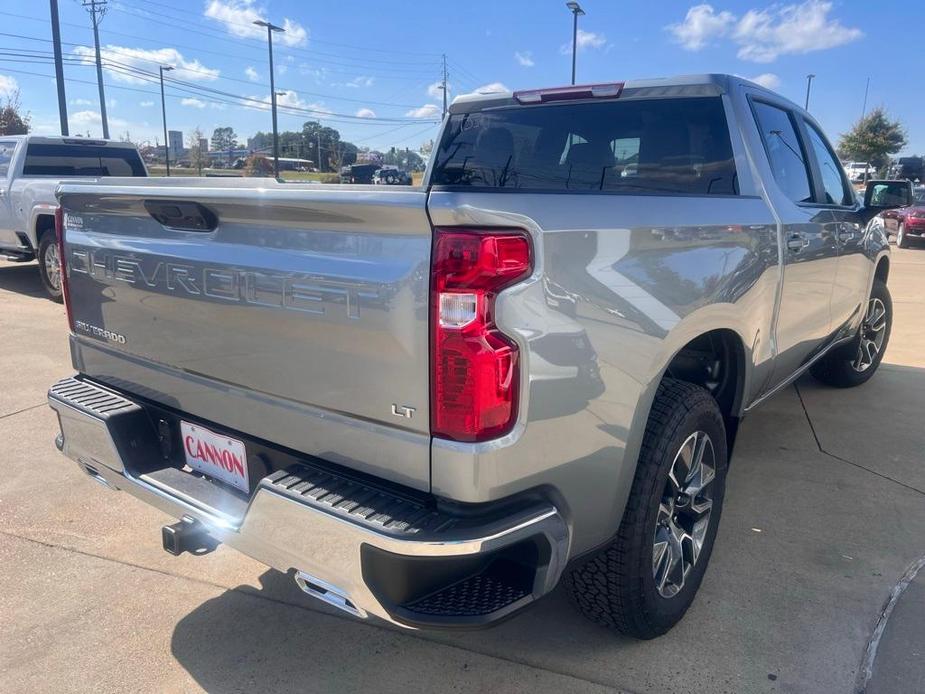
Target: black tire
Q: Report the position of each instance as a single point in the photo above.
(841, 368)
(48, 243)
(617, 587)
(902, 241)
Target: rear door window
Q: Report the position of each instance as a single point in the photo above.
(633, 146)
(836, 190)
(785, 152)
(64, 160)
(7, 148)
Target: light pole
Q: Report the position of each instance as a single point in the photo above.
(163, 69)
(576, 10)
(809, 84)
(270, 29)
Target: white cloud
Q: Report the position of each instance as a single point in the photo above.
(88, 118)
(525, 58)
(251, 74)
(81, 102)
(147, 60)
(282, 69)
(193, 103)
(288, 98)
(8, 85)
(767, 80)
(584, 39)
(425, 111)
(146, 104)
(238, 17)
(361, 81)
(366, 113)
(701, 25)
(764, 35)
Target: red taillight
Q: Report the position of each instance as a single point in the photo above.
(475, 370)
(59, 237)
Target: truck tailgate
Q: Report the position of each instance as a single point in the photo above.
(301, 318)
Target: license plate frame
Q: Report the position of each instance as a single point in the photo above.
(215, 455)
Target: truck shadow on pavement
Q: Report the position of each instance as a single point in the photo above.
(22, 279)
(276, 639)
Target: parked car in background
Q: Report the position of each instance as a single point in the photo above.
(358, 173)
(31, 167)
(907, 223)
(391, 176)
(431, 405)
(859, 171)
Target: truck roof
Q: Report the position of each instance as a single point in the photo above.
(58, 139)
(679, 85)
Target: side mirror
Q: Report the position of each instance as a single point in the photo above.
(887, 195)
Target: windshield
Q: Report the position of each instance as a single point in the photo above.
(652, 145)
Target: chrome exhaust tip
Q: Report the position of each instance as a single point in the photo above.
(325, 592)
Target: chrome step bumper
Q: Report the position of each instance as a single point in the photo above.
(365, 549)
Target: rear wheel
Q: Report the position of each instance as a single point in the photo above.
(645, 580)
(50, 265)
(901, 240)
(856, 362)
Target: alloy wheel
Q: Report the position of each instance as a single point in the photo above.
(683, 513)
(873, 333)
(53, 266)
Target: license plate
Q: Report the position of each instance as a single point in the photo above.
(215, 455)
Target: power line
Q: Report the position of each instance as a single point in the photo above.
(129, 53)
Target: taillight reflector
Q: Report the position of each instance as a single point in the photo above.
(65, 290)
(475, 367)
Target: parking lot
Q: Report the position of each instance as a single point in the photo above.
(825, 513)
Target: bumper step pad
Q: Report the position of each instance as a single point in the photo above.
(358, 502)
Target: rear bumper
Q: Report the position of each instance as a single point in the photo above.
(367, 550)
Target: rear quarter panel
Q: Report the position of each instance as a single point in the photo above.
(621, 284)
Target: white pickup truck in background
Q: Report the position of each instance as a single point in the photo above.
(31, 167)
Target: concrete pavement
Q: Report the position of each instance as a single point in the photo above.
(824, 515)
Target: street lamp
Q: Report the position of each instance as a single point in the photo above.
(270, 29)
(576, 10)
(809, 84)
(163, 69)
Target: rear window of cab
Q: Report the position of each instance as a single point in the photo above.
(667, 146)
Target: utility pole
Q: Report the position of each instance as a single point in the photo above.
(163, 69)
(443, 85)
(318, 138)
(97, 10)
(270, 29)
(864, 108)
(809, 84)
(59, 67)
(576, 10)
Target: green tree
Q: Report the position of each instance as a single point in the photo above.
(224, 140)
(12, 120)
(873, 138)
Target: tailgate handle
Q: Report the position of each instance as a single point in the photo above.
(182, 215)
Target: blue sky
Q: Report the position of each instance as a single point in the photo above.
(370, 68)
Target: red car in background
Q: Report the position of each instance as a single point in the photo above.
(906, 223)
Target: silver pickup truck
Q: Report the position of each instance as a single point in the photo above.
(432, 405)
(31, 167)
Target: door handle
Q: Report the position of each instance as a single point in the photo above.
(796, 243)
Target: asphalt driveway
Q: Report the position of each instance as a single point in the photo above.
(823, 523)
